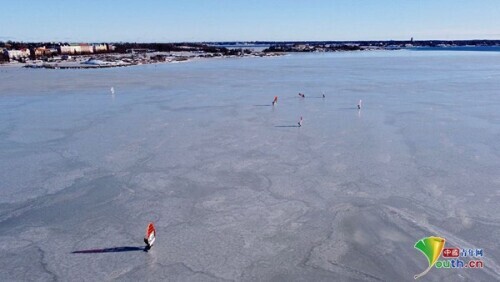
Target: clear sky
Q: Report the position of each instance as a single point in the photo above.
(247, 20)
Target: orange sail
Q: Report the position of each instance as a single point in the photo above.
(150, 237)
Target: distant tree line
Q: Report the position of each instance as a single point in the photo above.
(430, 43)
(216, 46)
(169, 47)
(310, 48)
(28, 45)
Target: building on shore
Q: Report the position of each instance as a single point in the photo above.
(86, 48)
(76, 49)
(17, 54)
(100, 48)
(40, 51)
(44, 51)
(71, 49)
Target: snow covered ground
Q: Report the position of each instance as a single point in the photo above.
(236, 190)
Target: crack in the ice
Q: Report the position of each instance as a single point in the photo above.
(354, 271)
(44, 264)
(203, 272)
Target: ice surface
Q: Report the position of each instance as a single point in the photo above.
(236, 191)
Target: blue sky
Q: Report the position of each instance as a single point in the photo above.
(235, 20)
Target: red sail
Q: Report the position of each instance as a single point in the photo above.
(150, 234)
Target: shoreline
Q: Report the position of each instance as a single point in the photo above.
(127, 60)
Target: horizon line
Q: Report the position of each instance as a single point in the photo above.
(244, 41)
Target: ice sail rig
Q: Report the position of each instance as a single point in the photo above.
(150, 236)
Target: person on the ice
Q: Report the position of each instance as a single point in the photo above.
(300, 122)
(150, 236)
(275, 101)
(359, 105)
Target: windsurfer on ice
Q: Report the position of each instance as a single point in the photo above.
(150, 236)
(275, 101)
(300, 122)
(359, 104)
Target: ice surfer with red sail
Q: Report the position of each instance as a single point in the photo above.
(150, 236)
(275, 101)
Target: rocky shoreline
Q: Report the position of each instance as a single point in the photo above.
(129, 59)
